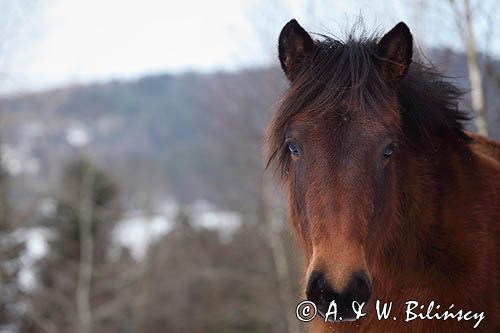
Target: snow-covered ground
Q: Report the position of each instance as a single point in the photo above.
(136, 231)
(206, 216)
(36, 247)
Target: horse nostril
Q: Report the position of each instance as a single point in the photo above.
(320, 291)
(359, 288)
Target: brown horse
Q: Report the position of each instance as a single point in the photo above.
(390, 198)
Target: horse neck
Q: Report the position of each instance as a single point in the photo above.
(413, 232)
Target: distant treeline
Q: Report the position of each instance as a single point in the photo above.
(185, 136)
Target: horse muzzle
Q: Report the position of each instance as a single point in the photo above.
(319, 291)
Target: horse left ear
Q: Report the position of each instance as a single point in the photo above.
(294, 46)
(394, 52)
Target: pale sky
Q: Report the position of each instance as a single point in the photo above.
(46, 43)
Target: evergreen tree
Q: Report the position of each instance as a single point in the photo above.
(52, 304)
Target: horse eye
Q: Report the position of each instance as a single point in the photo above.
(389, 150)
(293, 148)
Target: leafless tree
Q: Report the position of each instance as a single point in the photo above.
(464, 22)
(85, 213)
(237, 121)
(79, 287)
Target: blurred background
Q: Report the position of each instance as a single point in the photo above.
(133, 196)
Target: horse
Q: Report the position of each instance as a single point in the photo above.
(393, 202)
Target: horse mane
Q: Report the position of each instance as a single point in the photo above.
(342, 76)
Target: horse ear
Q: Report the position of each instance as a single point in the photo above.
(294, 46)
(394, 52)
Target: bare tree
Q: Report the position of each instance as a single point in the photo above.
(242, 134)
(85, 213)
(464, 22)
(79, 287)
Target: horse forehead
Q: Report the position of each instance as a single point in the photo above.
(339, 124)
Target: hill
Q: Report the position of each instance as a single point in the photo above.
(185, 136)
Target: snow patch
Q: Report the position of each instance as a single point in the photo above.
(36, 247)
(77, 135)
(136, 232)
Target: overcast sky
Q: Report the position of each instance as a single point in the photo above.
(45, 43)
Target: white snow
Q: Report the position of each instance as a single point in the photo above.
(77, 135)
(207, 216)
(36, 246)
(17, 159)
(136, 232)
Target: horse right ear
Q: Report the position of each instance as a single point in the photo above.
(394, 52)
(294, 46)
